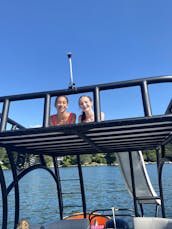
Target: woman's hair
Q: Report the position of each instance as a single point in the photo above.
(59, 97)
(23, 224)
(83, 116)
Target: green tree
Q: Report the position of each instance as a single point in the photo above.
(110, 158)
(150, 155)
(4, 159)
(86, 159)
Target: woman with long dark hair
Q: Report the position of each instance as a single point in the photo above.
(86, 104)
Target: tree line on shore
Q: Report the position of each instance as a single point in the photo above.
(87, 159)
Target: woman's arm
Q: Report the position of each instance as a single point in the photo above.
(102, 116)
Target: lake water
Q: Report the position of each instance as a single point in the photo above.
(104, 188)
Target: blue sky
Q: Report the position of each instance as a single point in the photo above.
(110, 40)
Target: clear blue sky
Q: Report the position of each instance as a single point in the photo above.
(110, 40)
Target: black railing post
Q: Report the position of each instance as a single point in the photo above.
(58, 184)
(133, 183)
(82, 186)
(4, 200)
(160, 180)
(97, 104)
(146, 99)
(4, 114)
(46, 110)
(16, 187)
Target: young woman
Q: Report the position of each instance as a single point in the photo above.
(62, 117)
(86, 103)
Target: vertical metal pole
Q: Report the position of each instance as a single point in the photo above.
(71, 85)
(46, 110)
(42, 160)
(4, 200)
(45, 121)
(160, 181)
(16, 187)
(59, 189)
(82, 186)
(146, 99)
(157, 159)
(97, 104)
(163, 151)
(5, 111)
(133, 183)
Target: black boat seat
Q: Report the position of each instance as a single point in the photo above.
(65, 224)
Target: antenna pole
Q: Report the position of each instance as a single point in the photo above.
(72, 84)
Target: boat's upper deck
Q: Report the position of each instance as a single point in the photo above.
(99, 137)
(148, 132)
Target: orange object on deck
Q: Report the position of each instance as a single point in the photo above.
(95, 219)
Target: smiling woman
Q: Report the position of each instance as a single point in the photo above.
(85, 103)
(62, 117)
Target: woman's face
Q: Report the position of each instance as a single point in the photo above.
(61, 104)
(85, 103)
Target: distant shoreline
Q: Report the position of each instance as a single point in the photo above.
(94, 164)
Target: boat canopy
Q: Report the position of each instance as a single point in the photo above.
(120, 135)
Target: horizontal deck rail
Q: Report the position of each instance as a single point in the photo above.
(95, 89)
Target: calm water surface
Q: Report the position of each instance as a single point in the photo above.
(104, 188)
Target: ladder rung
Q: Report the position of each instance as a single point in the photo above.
(71, 206)
(69, 179)
(70, 193)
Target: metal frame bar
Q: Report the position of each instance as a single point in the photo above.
(5, 111)
(133, 183)
(47, 95)
(4, 200)
(82, 186)
(59, 188)
(142, 83)
(160, 167)
(16, 187)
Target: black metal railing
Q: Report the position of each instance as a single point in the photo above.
(95, 89)
(46, 96)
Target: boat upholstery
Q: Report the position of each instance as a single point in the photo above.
(152, 223)
(65, 224)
